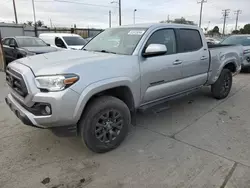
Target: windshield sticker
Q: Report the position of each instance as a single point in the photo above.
(136, 32)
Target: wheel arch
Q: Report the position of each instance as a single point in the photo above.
(121, 89)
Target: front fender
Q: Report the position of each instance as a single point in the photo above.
(98, 87)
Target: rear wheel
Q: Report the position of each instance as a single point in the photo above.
(105, 124)
(222, 87)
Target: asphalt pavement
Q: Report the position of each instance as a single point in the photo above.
(192, 142)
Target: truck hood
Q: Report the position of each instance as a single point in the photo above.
(40, 50)
(61, 61)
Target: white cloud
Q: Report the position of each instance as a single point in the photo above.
(68, 14)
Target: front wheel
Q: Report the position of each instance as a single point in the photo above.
(105, 124)
(222, 87)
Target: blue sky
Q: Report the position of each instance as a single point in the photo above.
(83, 15)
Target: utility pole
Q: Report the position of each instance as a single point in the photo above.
(110, 19)
(225, 15)
(237, 12)
(34, 14)
(201, 2)
(134, 14)
(120, 12)
(14, 6)
(50, 23)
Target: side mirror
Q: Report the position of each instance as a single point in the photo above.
(48, 44)
(12, 45)
(154, 50)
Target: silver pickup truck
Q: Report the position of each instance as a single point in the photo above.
(97, 90)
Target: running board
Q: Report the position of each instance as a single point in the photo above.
(155, 103)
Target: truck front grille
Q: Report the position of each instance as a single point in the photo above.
(16, 82)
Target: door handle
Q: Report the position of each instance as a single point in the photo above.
(204, 58)
(177, 62)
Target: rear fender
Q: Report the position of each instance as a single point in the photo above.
(216, 71)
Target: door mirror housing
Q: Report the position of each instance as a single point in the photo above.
(12, 45)
(154, 50)
(47, 44)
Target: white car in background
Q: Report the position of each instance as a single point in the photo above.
(212, 40)
(64, 40)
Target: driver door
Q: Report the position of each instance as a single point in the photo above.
(160, 74)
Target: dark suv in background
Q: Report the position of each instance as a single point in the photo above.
(243, 40)
(22, 46)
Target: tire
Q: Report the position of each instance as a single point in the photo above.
(222, 87)
(105, 124)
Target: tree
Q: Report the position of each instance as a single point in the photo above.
(242, 31)
(247, 29)
(181, 20)
(30, 23)
(235, 32)
(39, 23)
(216, 29)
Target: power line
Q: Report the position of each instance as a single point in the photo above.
(237, 12)
(225, 15)
(87, 4)
(201, 2)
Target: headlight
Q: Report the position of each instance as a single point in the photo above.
(56, 82)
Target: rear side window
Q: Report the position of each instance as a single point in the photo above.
(190, 40)
(165, 37)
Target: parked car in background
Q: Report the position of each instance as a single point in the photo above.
(212, 40)
(88, 39)
(64, 40)
(23, 46)
(243, 40)
(96, 91)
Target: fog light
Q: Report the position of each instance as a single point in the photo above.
(47, 110)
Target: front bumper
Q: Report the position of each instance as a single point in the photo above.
(62, 104)
(246, 62)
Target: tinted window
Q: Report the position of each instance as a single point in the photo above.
(59, 43)
(165, 37)
(71, 41)
(190, 40)
(12, 42)
(31, 42)
(242, 40)
(6, 42)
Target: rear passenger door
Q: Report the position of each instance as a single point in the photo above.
(194, 56)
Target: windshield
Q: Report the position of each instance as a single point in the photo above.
(242, 40)
(30, 42)
(74, 41)
(116, 40)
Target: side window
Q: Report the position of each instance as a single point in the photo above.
(59, 43)
(166, 37)
(6, 42)
(13, 42)
(190, 40)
